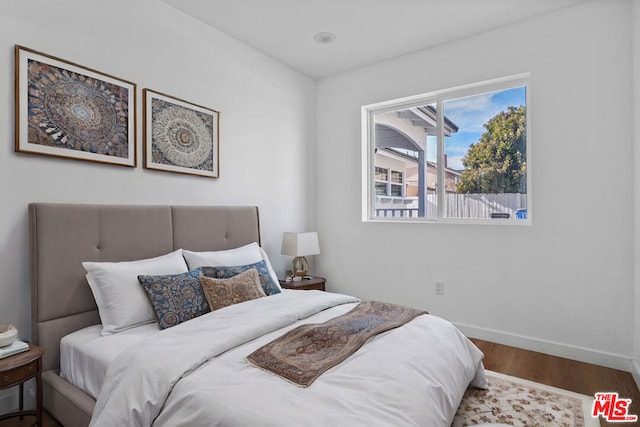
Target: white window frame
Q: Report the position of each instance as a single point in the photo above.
(368, 113)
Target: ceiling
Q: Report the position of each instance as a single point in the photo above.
(367, 31)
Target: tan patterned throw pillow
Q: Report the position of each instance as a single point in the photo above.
(233, 290)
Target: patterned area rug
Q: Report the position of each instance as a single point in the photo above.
(517, 402)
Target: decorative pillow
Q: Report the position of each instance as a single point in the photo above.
(247, 254)
(268, 286)
(176, 298)
(233, 290)
(272, 273)
(121, 302)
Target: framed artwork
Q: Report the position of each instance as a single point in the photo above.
(180, 136)
(67, 110)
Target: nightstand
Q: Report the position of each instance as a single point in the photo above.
(16, 370)
(315, 282)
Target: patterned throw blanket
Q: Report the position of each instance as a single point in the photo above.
(304, 353)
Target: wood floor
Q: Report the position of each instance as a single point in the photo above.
(555, 371)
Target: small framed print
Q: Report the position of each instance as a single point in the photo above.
(180, 136)
(67, 110)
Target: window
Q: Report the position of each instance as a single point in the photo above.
(382, 178)
(451, 155)
(389, 182)
(397, 184)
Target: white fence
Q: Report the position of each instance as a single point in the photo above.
(476, 206)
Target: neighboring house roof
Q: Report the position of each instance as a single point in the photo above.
(412, 158)
(430, 111)
(409, 128)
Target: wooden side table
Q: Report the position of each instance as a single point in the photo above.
(16, 370)
(314, 282)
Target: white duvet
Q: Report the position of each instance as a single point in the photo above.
(196, 373)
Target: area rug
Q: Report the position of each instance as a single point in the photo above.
(517, 402)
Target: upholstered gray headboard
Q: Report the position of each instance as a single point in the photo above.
(62, 236)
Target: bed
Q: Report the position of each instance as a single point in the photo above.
(197, 373)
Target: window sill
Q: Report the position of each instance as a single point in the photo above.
(453, 221)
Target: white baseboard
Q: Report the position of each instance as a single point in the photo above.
(635, 371)
(609, 360)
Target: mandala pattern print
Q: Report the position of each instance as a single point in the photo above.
(181, 136)
(77, 112)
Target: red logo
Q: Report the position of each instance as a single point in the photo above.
(612, 408)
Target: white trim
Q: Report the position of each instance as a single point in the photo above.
(440, 176)
(635, 371)
(530, 167)
(455, 92)
(581, 354)
(455, 221)
(438, 97)
(368, 162)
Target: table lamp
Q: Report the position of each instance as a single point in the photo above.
(299, 245)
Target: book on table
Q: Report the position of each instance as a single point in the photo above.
(14, 348)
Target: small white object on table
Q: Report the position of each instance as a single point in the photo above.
(8, 334)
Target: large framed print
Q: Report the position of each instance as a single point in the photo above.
(67, 110)
(180, 136)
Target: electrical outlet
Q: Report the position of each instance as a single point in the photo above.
(439, 288)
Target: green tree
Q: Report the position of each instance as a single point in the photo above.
(497, 162)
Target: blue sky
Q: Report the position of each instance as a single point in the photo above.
(470, 114)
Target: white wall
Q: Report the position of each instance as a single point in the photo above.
(266, 124)
(636, 192)
(563, 285)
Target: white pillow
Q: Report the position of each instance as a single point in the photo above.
(247, 254)
(122, 303)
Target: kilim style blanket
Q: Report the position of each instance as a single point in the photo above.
(304, 353)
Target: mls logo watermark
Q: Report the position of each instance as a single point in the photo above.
(612, 408)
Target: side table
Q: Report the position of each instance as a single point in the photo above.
(16, 370)
(313, 282)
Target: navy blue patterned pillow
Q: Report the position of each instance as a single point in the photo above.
(268, 285)
(176, 298)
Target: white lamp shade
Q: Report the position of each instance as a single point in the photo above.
(300, 244)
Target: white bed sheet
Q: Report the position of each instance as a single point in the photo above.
(86, 354)
(413, 375)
